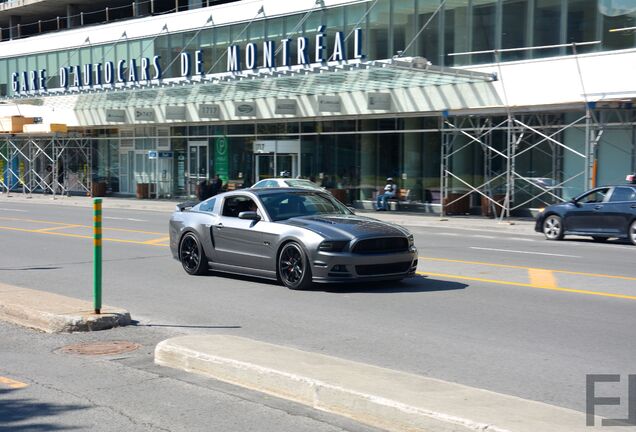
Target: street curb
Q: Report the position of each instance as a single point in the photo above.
(383, 398)
(53, 313)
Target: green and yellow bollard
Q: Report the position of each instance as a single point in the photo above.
(97, 254)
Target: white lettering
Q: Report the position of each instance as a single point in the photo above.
(233, 58)
(269, 49)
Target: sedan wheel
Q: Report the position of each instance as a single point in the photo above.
(192, 256)
(553, 228)
(293, 269)
(632, 233)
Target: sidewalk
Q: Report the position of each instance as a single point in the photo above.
(402, 218)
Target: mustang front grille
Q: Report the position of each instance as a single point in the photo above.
(381, 245)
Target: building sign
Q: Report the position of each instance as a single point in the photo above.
(286, 106)
(145, 70)
(245, 108)
(210, 111)
(329, 104)
(165, 154)
(144, 114)
(152, 154)
(175, 113)
(115, 116)
(221, 158)
(379, 101)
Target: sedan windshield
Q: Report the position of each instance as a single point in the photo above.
(285, 205)
(302, 184)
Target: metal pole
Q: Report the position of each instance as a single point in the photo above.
(97, 255)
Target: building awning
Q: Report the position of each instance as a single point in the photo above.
(250, 85)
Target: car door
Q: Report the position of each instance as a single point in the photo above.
(238, 242)
(587, 216)
(620, 209)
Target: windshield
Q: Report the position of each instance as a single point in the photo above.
(285, 205)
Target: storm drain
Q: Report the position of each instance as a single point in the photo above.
(100, 348)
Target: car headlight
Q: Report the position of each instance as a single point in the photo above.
(333, 245)
(411, 240)
(541, 210)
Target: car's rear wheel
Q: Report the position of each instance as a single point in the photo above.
(632, 233)
(553, 228)
(294, 270)
(192, 256)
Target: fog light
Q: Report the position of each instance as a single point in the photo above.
(339, 268)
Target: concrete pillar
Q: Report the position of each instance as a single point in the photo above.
(14, 29)
(72, 16)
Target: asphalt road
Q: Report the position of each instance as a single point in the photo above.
(494, 307)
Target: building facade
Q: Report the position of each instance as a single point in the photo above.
(481, 105)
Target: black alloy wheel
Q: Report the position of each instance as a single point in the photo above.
(293, 269)
(632, 232)
(553, 228)
(192, 256)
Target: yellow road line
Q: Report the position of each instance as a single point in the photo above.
(82, 226)
(43, 230)
(521, 284)
(543, 278)
(80, 236)
(156, 241)
(528, 268)
(12, 383)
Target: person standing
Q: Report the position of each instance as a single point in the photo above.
(216, 186)
(390, 190)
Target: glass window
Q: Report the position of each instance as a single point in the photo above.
(621, 194)
(613, 39)
(547, 26)
(582, 23)
(514, 28)
(483, 29)
(404, 26)
(208, 205)
(378, 31)
(595, 196)
(455, 32)
(428, 40)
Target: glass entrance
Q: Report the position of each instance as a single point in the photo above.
(197, 164)
(281, 165)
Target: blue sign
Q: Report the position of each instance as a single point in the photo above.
(166, 154)
(152, 154)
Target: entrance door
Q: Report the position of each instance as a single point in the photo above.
(281, 165)
(276, 158)
(197, 164)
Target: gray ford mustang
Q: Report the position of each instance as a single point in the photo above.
(297, 236)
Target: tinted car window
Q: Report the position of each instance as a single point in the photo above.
(596, 196)
(623, 194)
(207, 206)
(237, 204)
(285, 205)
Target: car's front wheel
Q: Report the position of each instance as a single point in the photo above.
(192, 256)
(553, 227)
(632, 233)
(294, 270)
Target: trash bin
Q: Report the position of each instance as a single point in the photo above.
(99, 189)
(143, 190)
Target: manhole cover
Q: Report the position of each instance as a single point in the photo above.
(100, 348)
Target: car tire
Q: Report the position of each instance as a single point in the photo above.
(631, 233)
(192, 256)
(553, 227)
(293, 267)
(600, 239)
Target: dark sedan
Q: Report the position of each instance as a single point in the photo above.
(601, 213)
(297, 236)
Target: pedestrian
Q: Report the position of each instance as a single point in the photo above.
(216, 186)
(48, 180)
(631, 178)
(204, 190)
(390, 190)
(60, 176)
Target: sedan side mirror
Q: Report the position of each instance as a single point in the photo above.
(249, 215)
(575, 202)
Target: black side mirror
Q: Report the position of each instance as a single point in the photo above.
(575, 202)
(249, 215)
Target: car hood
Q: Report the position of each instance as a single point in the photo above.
(347, 226)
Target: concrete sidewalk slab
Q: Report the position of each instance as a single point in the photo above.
(53, 313)
(383, 398)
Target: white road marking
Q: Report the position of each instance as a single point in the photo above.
(126, 219)
(13, 210)
(448, 234)
(483, 236)
(521, 239)
(524, 252)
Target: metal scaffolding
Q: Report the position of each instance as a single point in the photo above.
(496, 158)
(51, 164)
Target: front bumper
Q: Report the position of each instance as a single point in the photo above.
(347, 267)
